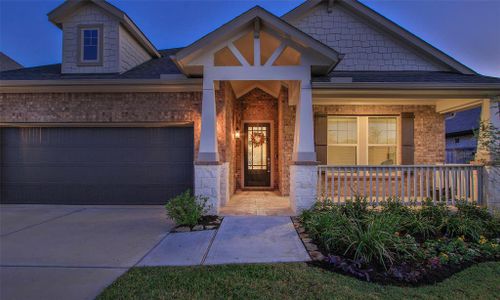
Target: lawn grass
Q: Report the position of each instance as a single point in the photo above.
(290, 281)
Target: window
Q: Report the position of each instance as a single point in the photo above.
(362, 140)
(381, 140)
(90, 40)
(342, 140)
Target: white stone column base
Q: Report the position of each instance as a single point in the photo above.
(207, 183)
(303, 187)
(491, 183)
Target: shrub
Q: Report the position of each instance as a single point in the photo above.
(187, 209)
(459, 225)
(377, 240)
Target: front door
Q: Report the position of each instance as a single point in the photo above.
(257, 155)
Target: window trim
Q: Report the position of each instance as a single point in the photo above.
(363, 144)
(81, 61)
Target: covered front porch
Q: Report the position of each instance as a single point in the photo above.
(275, 118)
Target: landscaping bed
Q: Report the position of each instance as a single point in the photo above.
(209, 222)
(398, 244)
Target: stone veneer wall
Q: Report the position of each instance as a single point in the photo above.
(429, 126)
(257, 105)
(365, 46)
(103, 108)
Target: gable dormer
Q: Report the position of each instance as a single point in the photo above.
(99, 38)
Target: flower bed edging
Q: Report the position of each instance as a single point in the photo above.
(210, 222)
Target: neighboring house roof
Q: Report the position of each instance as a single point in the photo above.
(7, 63)
(464, 122)
(59, 13)
(382, 22)
(257, 13)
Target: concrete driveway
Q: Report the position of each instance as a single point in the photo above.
(72, 252)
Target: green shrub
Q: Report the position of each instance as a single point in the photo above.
(187, 209)
(377, 240)
(418, 225)
(457, 225)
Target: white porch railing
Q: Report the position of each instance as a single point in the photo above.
(415, 183)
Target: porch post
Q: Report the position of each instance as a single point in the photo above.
(208, 138)
(488, 154)
(303, 171)
(208, 171)
(303, 144)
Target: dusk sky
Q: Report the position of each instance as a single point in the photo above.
(467, 30)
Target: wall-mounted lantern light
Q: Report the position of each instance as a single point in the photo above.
(237, 133)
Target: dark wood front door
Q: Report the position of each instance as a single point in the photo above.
(257, 155)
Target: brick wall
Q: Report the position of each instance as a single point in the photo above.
(286, 123)
(257, 105)
(365, 47)
(429, 129)
(103, 107)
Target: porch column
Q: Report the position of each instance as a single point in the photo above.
(303, 144)
(487, 151)
(208, 138)
(207, 170)
(303, 171)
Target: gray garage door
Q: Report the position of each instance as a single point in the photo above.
(95, 165)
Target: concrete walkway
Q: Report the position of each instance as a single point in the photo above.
(73, 252)
(254, 239)
(257, 203)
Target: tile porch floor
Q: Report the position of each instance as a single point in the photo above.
(257, 203)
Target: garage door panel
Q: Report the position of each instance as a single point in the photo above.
(96, 165)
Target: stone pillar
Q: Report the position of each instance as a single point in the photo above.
(303, 186)
(488, 154)
(207, 183)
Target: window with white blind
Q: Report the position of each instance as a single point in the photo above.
(363, 140)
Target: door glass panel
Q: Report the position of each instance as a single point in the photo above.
(257, 147)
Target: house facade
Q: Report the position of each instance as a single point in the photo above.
(316, 103)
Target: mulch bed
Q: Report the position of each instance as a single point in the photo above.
(404, 275)
(210, 222)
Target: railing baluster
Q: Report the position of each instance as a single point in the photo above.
(434, 185)
(402, 184)
(421, 175)
(466, 183)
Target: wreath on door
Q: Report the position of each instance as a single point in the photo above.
(257, 139)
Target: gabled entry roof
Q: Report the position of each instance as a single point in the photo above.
(287, 31)
(383, 23)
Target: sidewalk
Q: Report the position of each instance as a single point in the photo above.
(254, 239)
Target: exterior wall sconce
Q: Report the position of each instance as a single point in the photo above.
(237, 133)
